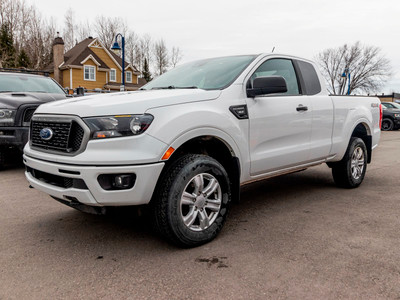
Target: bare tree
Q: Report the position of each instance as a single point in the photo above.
(69, 29)
(107, 28)
(138, 60)
(31, 33)
(38, 46)
(10, 13)
(131, 42)
(15, 14)
(83, 31)
(146, 45)
(176, 56)
(369, 70)
(160, 57)
(74, 31)
(142, 51)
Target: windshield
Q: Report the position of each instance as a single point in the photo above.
(207, 74)
(396, 105)
(23, 83)
(391, 105)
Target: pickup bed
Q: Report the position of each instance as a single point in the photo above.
(187, 141)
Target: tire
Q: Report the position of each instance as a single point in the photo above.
(387, 124)
(191, 201)
(350, 171)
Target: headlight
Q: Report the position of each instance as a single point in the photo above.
(7, 117)
(397, 115)
(118, 126)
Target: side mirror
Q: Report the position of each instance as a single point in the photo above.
(267, 85)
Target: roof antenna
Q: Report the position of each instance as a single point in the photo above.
(273, 49)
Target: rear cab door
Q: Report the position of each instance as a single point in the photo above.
(322, 109)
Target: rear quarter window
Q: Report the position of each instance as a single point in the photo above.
(310, 77)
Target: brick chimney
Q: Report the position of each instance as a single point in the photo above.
(58, 57)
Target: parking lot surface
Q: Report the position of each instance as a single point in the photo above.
(296, 236)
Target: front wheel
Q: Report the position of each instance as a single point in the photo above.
(350, 171)
(192, 200)
(387, 124)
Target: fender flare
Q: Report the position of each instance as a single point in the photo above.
(208, 131)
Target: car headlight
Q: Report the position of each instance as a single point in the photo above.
(7, 116)
(397, 115)
(118, 126)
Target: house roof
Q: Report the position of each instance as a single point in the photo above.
(77, 54)
(81, 51)
(119, 61)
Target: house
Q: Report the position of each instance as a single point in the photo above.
(92, 66)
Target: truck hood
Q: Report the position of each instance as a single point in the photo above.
(137, 102)
(391, 111)
(15, 99)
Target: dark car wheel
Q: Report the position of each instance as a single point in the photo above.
(387, 124)
(350, 171)
(192, 200)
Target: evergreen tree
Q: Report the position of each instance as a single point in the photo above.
(146, 72)
(7, 50)
(23, 60)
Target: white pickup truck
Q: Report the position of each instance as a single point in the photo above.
(187, 141)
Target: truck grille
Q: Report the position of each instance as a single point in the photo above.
(67, 135)
(28, 113)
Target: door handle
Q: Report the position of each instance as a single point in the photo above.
(301, 108)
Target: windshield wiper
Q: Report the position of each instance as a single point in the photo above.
(172, 87)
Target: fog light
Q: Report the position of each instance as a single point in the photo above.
(116, 181)
(123, 181)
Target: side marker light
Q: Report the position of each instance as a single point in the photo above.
(168, 153)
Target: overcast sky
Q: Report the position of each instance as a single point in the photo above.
(210, 28)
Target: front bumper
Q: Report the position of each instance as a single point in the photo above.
(14, 137)
(396, 123)
(91, 193)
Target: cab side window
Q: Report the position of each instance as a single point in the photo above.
(279, 67)
(312, 86)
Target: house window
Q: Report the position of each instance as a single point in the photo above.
(128, 76)
(113, 75)
(90, 73)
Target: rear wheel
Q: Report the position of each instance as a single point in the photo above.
(350, 171)
(387, 124)
(192, 200)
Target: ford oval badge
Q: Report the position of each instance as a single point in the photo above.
(46, 134)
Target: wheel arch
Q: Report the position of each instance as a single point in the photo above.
(363, 131)
(215, 144)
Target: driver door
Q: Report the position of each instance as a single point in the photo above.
(280, 124)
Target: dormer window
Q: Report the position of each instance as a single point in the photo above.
(90, 73)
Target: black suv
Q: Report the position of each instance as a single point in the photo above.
(20, 95)
(391, 116)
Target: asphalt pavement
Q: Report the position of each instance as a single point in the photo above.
(291, 237)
